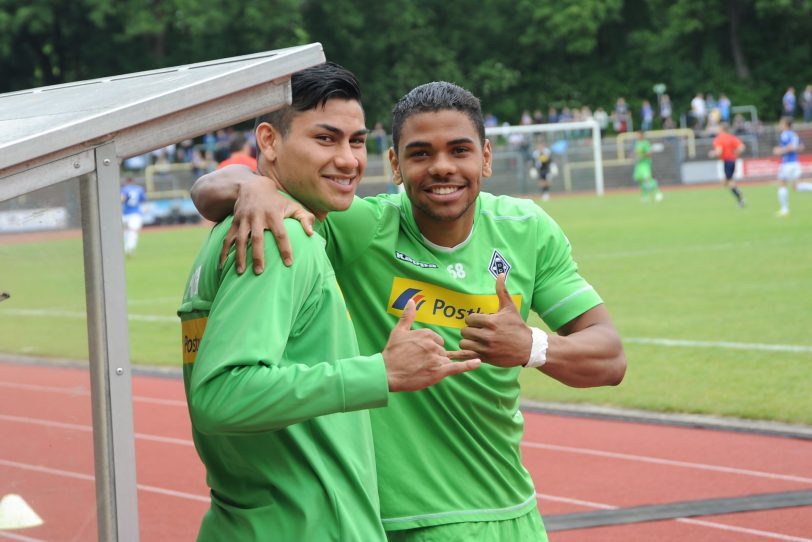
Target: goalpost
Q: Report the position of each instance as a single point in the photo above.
(571, 143)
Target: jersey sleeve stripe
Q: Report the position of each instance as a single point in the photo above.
(573, 295)
(520, 218)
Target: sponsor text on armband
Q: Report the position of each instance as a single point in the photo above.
(192, 331)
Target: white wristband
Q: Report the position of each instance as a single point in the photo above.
(538, 350)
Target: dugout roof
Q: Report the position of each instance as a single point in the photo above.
(147, 110)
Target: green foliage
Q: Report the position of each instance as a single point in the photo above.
(571, 25)
(515, 55)
(44, 42)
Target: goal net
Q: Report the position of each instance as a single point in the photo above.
(575, 151)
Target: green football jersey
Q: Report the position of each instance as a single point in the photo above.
(450, 453)
(275, 383)
(642, 169)
(643, 150)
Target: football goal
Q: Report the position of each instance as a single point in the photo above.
(569, 144)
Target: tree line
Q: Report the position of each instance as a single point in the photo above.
(514, 54)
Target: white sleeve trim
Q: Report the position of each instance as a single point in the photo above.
(567, 299)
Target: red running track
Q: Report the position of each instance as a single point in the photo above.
(578, 464)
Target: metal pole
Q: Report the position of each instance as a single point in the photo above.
(598, 158)
(108, 345)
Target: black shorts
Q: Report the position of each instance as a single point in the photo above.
(730, 168)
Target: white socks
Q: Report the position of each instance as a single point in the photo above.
(783, 198)
(130, 241)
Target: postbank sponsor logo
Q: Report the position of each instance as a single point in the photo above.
(192, 331)
(439, 306)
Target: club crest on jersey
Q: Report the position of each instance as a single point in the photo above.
(499, 265)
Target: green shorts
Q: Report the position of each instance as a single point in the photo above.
(642, 171)
(526, 528)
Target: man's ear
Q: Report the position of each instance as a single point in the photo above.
(268, 139)
(393, 161)
(487, 157)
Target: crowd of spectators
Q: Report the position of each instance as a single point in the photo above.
(226, 146)
(204, 153)
(789, 104)
(704, 114)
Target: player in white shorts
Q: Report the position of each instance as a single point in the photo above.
(790, 170)
(132, 196)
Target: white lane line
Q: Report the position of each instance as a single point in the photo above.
(82, 391)
(578, 502)
(719, 344)
(87, 477)
(89, 429)
(78, 390)
(527, 444)
(173, 493)
(12, 536)
(691, 521)
(669, 462)
(743, 530)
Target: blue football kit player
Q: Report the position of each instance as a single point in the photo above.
(132, 196)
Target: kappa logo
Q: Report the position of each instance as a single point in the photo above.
(403, 257)
(499, 265)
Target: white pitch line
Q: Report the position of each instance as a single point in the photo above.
(654, 251)
(719, 344)
(87, 477)
(669, 462)
(657, 341)
(691, 521)
(59, 313)
(672, 250)
(154, 300)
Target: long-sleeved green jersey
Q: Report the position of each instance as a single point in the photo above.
(276, 389)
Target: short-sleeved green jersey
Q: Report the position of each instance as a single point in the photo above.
(643, 150)
(642, 169)
(274, 384)
(450, 453)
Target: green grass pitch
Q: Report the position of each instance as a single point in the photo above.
(693, 269)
